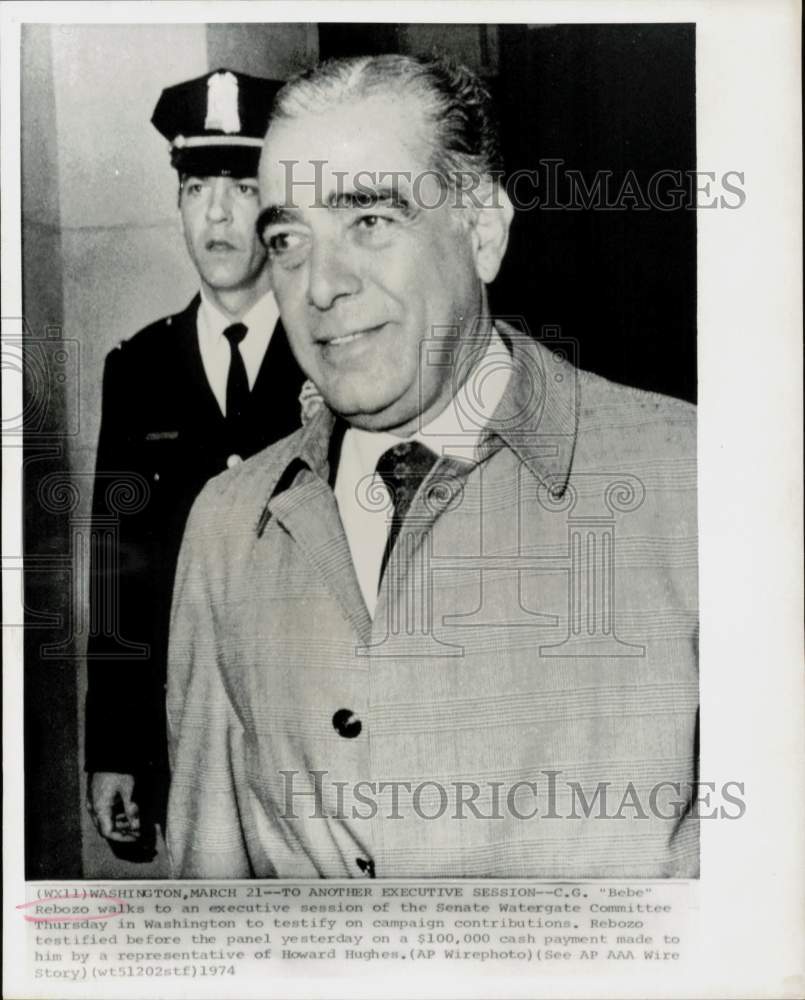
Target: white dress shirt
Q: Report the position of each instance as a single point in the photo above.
(455, 431)
(260, 321)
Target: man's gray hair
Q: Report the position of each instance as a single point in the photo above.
(456, 105)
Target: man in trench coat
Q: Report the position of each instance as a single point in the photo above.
(449, 627)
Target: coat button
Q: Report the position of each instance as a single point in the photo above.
(232, 461)
(345, 724)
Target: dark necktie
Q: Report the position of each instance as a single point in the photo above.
(237, 382)
(402, 468)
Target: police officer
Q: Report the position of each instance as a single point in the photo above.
(187, 397)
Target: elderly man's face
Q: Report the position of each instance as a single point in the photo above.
(369, 272)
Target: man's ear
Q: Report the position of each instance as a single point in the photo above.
(490, 230)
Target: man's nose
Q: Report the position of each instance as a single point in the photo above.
(332, 274)
(219, 206)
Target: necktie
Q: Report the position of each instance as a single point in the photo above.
(237, 382)
(402, 468)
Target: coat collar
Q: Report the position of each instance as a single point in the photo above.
(537, 418)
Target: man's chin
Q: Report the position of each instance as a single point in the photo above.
(366, 421)
(223, 279)
(367, 412)
(389, 420)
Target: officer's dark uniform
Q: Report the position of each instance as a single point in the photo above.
(162, 437)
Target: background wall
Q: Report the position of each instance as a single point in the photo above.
(103, 256)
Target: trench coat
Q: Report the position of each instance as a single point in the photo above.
(524, 701)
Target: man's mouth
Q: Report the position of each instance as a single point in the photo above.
(350, 338)
(219, 246)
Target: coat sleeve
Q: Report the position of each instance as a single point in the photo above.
(123, 708)
(204, 832)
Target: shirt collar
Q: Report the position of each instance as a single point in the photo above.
(459, 429)
(261, 316)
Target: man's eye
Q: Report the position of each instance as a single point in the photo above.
(278, 244)
(376, 222)
(247, 190)
(193, 188)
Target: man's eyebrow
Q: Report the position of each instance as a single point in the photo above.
(363, 198)
(275, 215)
(366, 197)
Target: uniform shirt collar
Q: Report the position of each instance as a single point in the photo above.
(263, 315)
(260, 322)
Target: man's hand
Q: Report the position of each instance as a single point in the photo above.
(111, 806)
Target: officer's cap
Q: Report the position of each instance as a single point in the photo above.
(216, 123)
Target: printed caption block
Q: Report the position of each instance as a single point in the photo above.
(206, 931)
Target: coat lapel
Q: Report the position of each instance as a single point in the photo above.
(277, 362)
(275, 394)
(200, 399)
(309, 513)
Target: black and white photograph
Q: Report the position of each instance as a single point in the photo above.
(345, 705)
(369, 531)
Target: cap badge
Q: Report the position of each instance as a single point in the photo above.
(222, 103)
